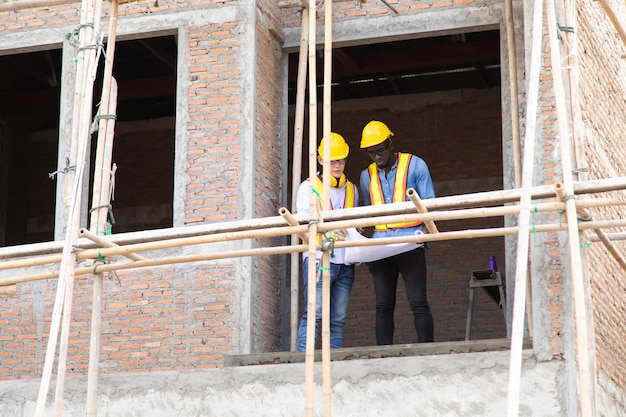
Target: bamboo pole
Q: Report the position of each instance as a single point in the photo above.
(297, 170)
(523, 239)
(102, 192)
(94, 12)
(18, 5)
(8, 289)
(419, 205)
(512, 63)
(293, 222)
(107, 244)
(312, 275)
(614, 20)
(586, 388)
(328, 55)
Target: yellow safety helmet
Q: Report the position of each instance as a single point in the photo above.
(374, 132)
(339, 149)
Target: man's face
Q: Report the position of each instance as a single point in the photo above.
(336, 167)
(381, 154)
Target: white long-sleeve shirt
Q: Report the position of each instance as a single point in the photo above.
(337, 199)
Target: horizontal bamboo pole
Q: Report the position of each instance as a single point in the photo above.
(8, 290)
(419, 205)
(283, 211)
(17, 5)
(585, 215)
(288, 4)
(611, 236)
(277, 250)
(298, 230)
(106, 243)
(487, 198)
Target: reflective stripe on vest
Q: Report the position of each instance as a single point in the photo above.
(399, 189)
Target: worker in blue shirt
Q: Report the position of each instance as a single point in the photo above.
(385, 181)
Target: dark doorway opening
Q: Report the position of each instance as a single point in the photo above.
(441, 96)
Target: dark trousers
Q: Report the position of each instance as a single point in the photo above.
(412, 266)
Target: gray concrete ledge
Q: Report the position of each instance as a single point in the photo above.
(377, 352)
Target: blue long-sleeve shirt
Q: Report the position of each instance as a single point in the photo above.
(418, 178)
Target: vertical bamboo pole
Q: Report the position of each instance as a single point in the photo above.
(63, 298)
(297, 169)
(328, 59)
(523, 238)
(313, 214)
(512, 62)
(101, 199)
(83, 137)
(586, 391)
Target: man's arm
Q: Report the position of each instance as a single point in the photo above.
(365, 186)
(421, 180)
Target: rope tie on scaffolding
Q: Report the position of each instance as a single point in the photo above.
(65, 170)
(111, 222)
(103, 261)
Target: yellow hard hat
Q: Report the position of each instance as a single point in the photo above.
(374, 132)
(339, 149)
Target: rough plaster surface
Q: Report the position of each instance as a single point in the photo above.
(471, 384)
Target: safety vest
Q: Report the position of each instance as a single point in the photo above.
(399, 189)
(349, 201)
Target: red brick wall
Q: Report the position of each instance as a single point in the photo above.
(602, 92)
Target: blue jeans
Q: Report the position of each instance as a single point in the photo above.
(412, 267)
(341, 280)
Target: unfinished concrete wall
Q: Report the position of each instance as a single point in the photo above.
(472, 384)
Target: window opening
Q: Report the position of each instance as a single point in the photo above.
(29, 125)
(144, 144)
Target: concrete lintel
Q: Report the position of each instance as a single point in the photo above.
(461, 19)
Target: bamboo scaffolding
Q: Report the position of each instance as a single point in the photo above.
(297, 171)
(326, 126)
(102, 192)
(523, 239)
(63, 301)
(82, 137)
(488, 198)
(313, 226)
(585, 215)
(110, 249)
(265, 251)
(584, 363)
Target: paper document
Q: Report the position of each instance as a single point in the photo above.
(358, 254)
